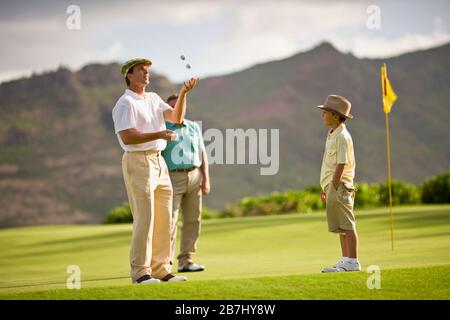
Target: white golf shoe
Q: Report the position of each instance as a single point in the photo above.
(172, 278)
(146, 279)
(343, 266)
(191, 267)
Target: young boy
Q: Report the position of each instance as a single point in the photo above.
(336, 180)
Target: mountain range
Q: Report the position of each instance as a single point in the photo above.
(60, 161)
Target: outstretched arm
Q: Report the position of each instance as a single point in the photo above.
(176, 115)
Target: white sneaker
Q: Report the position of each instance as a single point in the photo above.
(337, 263)
(172, 278)
(343, 266)
(349, 266)
(332, 269)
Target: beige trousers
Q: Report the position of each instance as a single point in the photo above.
(187, 195)
(150, 196)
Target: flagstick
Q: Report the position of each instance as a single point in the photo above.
(389, 181)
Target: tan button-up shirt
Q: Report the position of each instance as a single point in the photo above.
(338, 149)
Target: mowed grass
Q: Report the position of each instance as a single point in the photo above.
(414, 283)
(274, 257)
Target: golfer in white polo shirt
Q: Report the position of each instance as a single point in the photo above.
(139, 122)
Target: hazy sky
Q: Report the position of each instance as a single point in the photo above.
(216, 37)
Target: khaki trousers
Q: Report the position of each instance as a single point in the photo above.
(340, 203)
(187, 195)
(150, 196)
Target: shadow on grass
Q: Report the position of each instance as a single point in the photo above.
(60, 283)
(78, 244)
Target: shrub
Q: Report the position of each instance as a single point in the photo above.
(276, 203)
(310, 201)
(402, 193)
(367, 195)
(121, 214)
(437, 189)
(208, 213)
(434, 190)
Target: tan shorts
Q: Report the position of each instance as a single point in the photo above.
(340, 203)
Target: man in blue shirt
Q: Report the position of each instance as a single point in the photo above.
(188, 170)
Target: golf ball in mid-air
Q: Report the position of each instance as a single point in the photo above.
(182, 57)
(188, 66)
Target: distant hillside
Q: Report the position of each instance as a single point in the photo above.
(60, 161)
(284, 94)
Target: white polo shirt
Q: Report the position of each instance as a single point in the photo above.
(142, 113)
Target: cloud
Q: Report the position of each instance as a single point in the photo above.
(41, 45)
(153, 11)
(170, 13)
(264, 31)
(381, 47)
(218, 36)
(34, 43)
(30, 46)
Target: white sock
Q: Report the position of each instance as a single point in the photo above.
(344, 258)
(351, 260)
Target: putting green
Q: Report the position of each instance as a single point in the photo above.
(258, 251)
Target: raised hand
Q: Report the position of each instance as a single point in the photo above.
(190, 84)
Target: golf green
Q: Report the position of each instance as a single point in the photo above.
(272, 257)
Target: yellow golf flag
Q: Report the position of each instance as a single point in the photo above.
(389, 95)
(389, 98)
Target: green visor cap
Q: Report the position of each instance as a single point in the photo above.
(131, 63)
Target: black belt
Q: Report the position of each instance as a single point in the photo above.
(183, 170)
